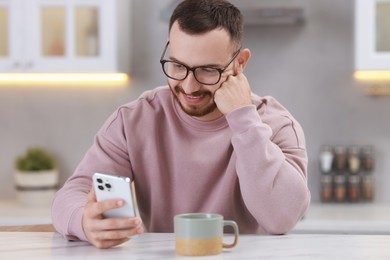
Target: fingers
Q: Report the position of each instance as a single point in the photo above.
(116, 234)
(111, 238)
(107, 238)
(107, 232)
(97, 208)
(92, 195)
(234, 93)
(104, 244)
(115, 224)
(237, 79)
(102, 206)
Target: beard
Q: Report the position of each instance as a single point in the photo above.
(194, 110)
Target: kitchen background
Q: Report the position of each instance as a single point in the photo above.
(308, 68)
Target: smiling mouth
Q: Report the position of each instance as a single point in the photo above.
(196, 104)
(192, 98)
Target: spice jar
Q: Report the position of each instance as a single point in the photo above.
(339, 187)
(368, 158)
(354, 188)
(353, 159)
(326, 187)
(326, 159)
(368, 187)
(340, 158)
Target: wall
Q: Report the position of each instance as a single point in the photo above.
(307, 68)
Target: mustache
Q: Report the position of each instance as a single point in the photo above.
(198, 93)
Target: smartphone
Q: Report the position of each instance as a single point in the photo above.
(115, 187)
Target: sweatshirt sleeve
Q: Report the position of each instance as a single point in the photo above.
(271, 167)
(106, 155)
(68, 206)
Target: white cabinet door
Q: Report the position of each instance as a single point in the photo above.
(10, 33)
(372, 35)
(58, 36)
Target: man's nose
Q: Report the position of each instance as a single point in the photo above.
(190, 84)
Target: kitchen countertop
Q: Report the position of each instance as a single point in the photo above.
(13, 213)
(49, 245)
(346, 218)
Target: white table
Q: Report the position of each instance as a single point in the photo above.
(19, 245)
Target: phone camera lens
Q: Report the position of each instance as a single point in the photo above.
(99, 180)
(100, 187)
(108, 186)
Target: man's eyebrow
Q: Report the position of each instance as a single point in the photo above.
(205, 65)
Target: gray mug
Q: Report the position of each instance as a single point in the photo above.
(200, 234)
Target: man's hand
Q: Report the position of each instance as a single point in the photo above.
(234, 93)
(109, 232)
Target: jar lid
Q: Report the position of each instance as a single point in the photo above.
(368, 178)
(339, 178)
(326, 178)
(339, 149)
(368, 149)
(354, 178)
(326, 148)
(354, 150)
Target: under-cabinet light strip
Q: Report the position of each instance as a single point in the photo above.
(372, 75)
(63, 78)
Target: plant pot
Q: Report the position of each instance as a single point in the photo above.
(36, 189)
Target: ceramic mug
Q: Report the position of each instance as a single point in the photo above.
(200, 234)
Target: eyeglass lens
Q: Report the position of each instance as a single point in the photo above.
(203, 75)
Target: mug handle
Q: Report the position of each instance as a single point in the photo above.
(235, 227)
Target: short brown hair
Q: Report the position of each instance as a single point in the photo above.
(201, 16)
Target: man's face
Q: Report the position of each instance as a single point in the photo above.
(212, 49)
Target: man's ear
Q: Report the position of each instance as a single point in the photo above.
(243, 59)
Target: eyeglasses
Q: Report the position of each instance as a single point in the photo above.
(203, 74)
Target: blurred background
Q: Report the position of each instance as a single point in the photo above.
(303, 54)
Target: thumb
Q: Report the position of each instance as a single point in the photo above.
(92, 195)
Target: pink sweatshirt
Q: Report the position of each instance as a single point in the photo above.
(250, 166)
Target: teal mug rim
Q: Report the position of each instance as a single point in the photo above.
(199, 216)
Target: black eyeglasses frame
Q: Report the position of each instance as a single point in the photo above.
(192, 69)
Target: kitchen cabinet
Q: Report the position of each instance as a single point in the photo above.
(59, 36)
(372, 35)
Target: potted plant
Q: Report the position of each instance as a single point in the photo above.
(36, 177)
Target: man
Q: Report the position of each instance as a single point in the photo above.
(204, 143)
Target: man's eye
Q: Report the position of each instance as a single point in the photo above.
(208, 70)
(178, 66)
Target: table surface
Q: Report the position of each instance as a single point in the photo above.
(49, 245)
